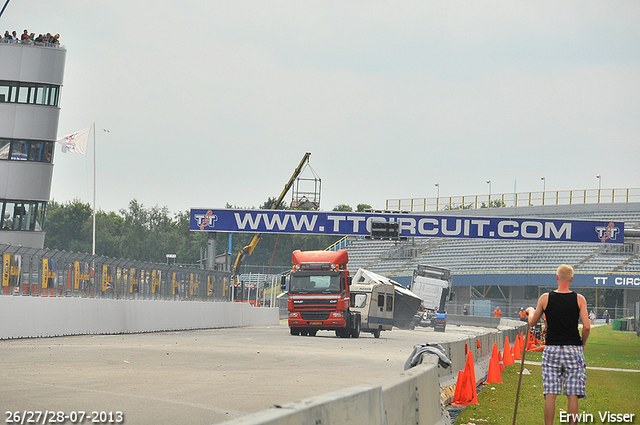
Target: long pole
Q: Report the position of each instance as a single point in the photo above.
(93, 251)
(526, 342)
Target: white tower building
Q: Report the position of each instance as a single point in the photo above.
(30, 82)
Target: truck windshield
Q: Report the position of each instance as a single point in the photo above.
(310, 283)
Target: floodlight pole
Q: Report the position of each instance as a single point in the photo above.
(93, 249)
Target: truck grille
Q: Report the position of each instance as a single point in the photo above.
(329, 302)
(314, 315)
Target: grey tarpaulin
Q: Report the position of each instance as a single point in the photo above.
(415, 358)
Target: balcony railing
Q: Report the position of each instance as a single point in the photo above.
(32, 43)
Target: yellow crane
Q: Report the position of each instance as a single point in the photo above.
(247, 250)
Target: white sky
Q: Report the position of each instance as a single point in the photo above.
(215, 102)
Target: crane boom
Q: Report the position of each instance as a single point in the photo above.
(248, 250)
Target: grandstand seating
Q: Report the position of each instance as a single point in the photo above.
(486, 256)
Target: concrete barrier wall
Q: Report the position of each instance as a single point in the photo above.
(412, 399)
(417, 397)
(27, 317)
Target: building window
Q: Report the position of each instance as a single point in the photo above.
(22, 215)
(26, 150)
(5, 148)
(29, 93)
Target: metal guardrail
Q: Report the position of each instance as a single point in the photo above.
(43, 272)
(340, 244)
(560, 197)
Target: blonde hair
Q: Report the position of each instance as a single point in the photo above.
(565, 273)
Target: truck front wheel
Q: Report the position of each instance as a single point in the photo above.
(293, 331)
(343, 333)
(376, 333)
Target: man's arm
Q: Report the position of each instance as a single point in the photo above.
(584, 316)
(534, 315)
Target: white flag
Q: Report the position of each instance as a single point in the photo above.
(75, 142)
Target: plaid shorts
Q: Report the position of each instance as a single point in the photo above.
(563, 367)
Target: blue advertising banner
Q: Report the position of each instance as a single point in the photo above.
(350, 223)
(580, 280)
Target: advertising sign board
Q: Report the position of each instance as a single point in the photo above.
(410, 225)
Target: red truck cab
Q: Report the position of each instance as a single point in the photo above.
(319, 295)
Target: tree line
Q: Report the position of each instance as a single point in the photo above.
(150, 233)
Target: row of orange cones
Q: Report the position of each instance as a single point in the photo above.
(466, 392)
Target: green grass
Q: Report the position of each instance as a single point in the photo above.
(608, 348)
(606, 390)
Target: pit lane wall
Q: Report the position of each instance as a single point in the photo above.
(417, 396)
(28, 317)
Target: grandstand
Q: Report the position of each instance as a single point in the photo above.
(468, 256)
(513, 264)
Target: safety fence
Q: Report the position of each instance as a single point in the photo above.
(52, 273)
(509, 309)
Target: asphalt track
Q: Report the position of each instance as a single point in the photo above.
(196, 377)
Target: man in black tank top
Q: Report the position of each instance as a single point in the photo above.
(563, 366)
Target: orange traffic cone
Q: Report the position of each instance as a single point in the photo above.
(463, 394)
(466, 385)
(517, 350)
(506, 358)
(472, 378)
(493, 375)
(494, 350)
(456, 394)
(501, 361)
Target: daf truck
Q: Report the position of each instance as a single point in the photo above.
(319, 291)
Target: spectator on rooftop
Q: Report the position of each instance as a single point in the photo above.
(26, 38)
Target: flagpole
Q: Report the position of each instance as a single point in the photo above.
(93, 252)
(4, 7)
